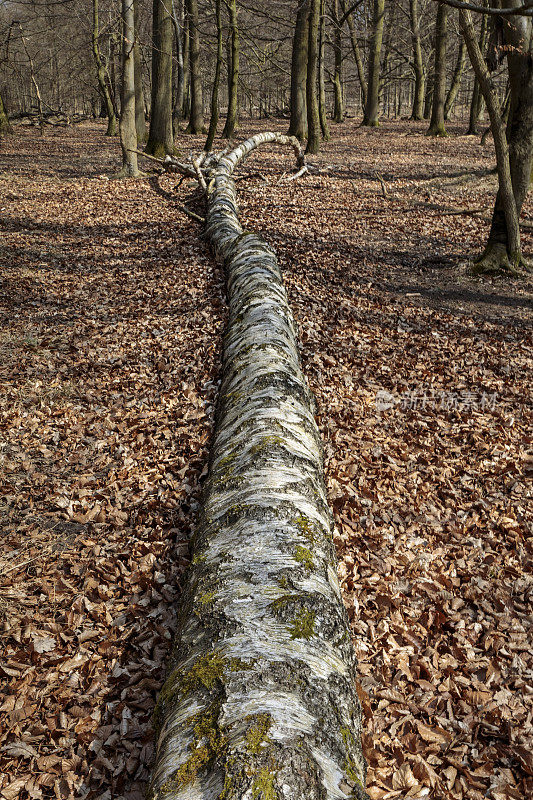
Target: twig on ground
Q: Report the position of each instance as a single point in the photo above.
(383, 184)
(192, 214)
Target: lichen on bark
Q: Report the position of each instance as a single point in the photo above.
(260, 702)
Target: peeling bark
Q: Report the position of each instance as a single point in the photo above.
(260, 699)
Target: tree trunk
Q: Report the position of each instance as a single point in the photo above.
(456, 80)
(356, 53)
(338, 104)
(196, 119)
(128, 135)
(313, 113)
(436, 125)
(233, 77)
(260, 700)
(161, 137)
(503, 248)
(177, 107)
(476, 105)
(417, 112)
(298, 109)
(186, 110)
(324, 127)
(5, 127)
(371, 117)
(213, 122)
(428, 99)
(140, 111)
(101, 75)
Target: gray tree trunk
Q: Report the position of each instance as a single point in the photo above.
(503, 249)
(417, 112)
(436, 125)
(298, 109)
(356, 52)
(128, 134)
(140, 110)
(514, 148)
(314, 130)
(260, 701)
(456, 80)
(161, 134)
(101, 75)
(196, 117)
(232, 116)
(371, 116)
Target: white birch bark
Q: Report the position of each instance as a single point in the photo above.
(260, 699)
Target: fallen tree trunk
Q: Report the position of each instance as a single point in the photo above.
(260, 700)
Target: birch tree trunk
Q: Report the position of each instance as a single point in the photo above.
(260, 699)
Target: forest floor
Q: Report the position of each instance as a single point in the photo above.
(112, 313)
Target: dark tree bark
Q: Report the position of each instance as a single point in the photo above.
(417, 112)
(436, 125)
(196, 118)
(260, 701)
(233, 73)
(140, 111)
(101, 75)
(161, 137)
(313, 113)
(371, 116)
(298, 109)
(128, 135)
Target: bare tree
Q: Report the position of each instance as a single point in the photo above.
(371, 116)
(436, 125)
(160, 136)
(128, 135)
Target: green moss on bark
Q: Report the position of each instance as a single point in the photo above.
(304, 556)
(263, 786)
(257, 733)
(303, 626)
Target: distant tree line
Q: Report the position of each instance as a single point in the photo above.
(168, 64)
